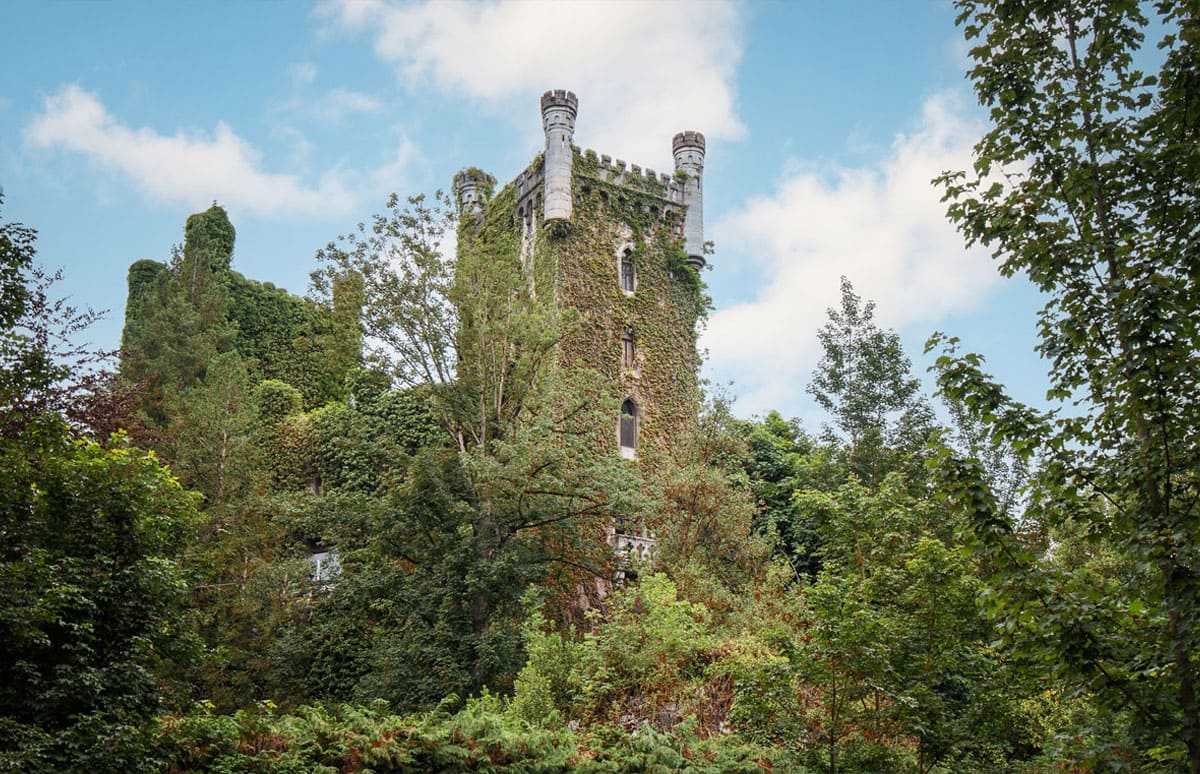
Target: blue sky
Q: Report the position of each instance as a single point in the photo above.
(825, 122)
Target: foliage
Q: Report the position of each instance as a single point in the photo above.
(779, 459)
(408, 318)
(477, 738)
(896, 642)
(43, 371)
(212, 430)
(91, 595)
(703, 520)
(1086, 183)
(311, 346)
(181, 315)
(653, 664)
(175, 328)
(89, 589)
(208, 240)
(864, 380)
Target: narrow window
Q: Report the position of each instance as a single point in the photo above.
(326, 567)
(628, 349)
(629, 429)
(628, 273)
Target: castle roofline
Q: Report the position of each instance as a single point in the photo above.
(560, 98)
(688, 139)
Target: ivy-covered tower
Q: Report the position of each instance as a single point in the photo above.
(622, 245)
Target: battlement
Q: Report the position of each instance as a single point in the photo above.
(619, 173)
(547, 184)
(529, 180)
(687, 139)
(562, 99)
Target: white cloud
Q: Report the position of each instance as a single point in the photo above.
(330, 108)
(342, 102)
(302, 73)
(191, 168)
(884, 228)
(643, 71)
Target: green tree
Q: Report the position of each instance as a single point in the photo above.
(90, 592)
(1086, 184)
(896, 641)
(468, 329)
(212, 430)
(405, 282)
(864, 380)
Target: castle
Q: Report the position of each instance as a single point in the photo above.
(623, 245)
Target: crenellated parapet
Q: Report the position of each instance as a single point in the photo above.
(546, 187)
(619, 173)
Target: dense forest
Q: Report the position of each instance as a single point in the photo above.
(327, 534)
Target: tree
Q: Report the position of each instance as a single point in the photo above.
(90, 593)
(406, 283)
(469, 329)
(41, 365)
(865, 381)
(1086, 184)
(896, 641)
(176, 320)
(212, 427)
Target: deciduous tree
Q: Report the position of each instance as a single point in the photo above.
(1086, 184)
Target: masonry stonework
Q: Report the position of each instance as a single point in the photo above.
(622, 245)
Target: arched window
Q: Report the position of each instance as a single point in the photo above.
(628, 429)
(628, 272)
(629, 349)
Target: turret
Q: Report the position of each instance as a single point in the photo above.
(688, 148)
(559, 108)
(473, 187)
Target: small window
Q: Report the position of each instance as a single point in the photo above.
(628, 272)
(326, 567)
(628, 349)
(629, 429)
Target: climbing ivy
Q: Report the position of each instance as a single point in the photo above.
(197, 296)
(581, 264)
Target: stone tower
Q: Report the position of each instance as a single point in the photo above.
(623, 245)
(559, 109)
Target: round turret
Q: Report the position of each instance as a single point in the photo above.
(559, 108)
(688, 149)
(472, 188)
(560, 102)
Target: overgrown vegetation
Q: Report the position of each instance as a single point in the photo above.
(400, 559)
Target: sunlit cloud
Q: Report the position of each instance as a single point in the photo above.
(883, 227)
(643, 71)
(193, 168)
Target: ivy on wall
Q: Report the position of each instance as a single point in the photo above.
(663, 311)
(280, 336)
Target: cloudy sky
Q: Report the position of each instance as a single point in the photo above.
(825, 123)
